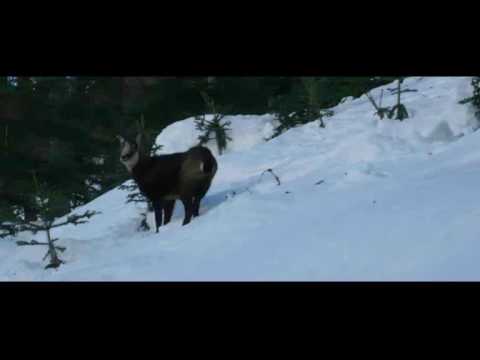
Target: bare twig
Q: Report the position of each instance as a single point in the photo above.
(394, 91)
(399, 90)
(369, 97)
(46, 255)
(273, 174)
(380, 111)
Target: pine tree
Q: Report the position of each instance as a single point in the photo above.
(313, 100)
(213, 129)
(72, 122)
(303, 104)
(476, 95)
(51, 205)
(475, 98)
(399, 111)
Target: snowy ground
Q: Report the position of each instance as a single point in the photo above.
(398, 201)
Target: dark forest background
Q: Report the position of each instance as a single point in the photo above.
(61, 131)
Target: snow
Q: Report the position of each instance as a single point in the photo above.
(246, 131)
(398, 201)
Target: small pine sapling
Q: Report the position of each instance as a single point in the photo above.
(398, 110)
(475, 98)
(312, 98)
(380, 111)
(299, 107)
(135, 195)
(50, 205)
(213, 129)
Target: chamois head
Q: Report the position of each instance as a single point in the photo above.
(129, 151)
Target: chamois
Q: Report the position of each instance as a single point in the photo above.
(165, 178)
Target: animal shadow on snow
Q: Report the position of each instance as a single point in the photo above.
(209, 202)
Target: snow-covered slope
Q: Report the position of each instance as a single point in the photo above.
(246, 131)
(398, 201)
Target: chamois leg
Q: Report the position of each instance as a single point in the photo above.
(196, 206)
(158, 209)
(188, 205)
(169, 205)
(197, 199)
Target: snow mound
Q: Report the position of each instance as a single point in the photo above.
(246, 131)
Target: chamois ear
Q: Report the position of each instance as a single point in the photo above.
(138, 140)
(121, 139)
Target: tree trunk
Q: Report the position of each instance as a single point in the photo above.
(30, 213)
(398, 94)
(55, 262)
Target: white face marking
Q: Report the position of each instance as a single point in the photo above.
(131, 154)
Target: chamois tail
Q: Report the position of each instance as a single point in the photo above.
(209, 165)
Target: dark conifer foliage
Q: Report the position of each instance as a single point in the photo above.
(63, 128)
(49, 204)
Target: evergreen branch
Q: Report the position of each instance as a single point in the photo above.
(74, 219)
(39, 243)
(7, 230)
(29, 226)
(467, 100)
(30, 243)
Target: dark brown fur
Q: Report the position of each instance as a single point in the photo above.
(185, 176)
